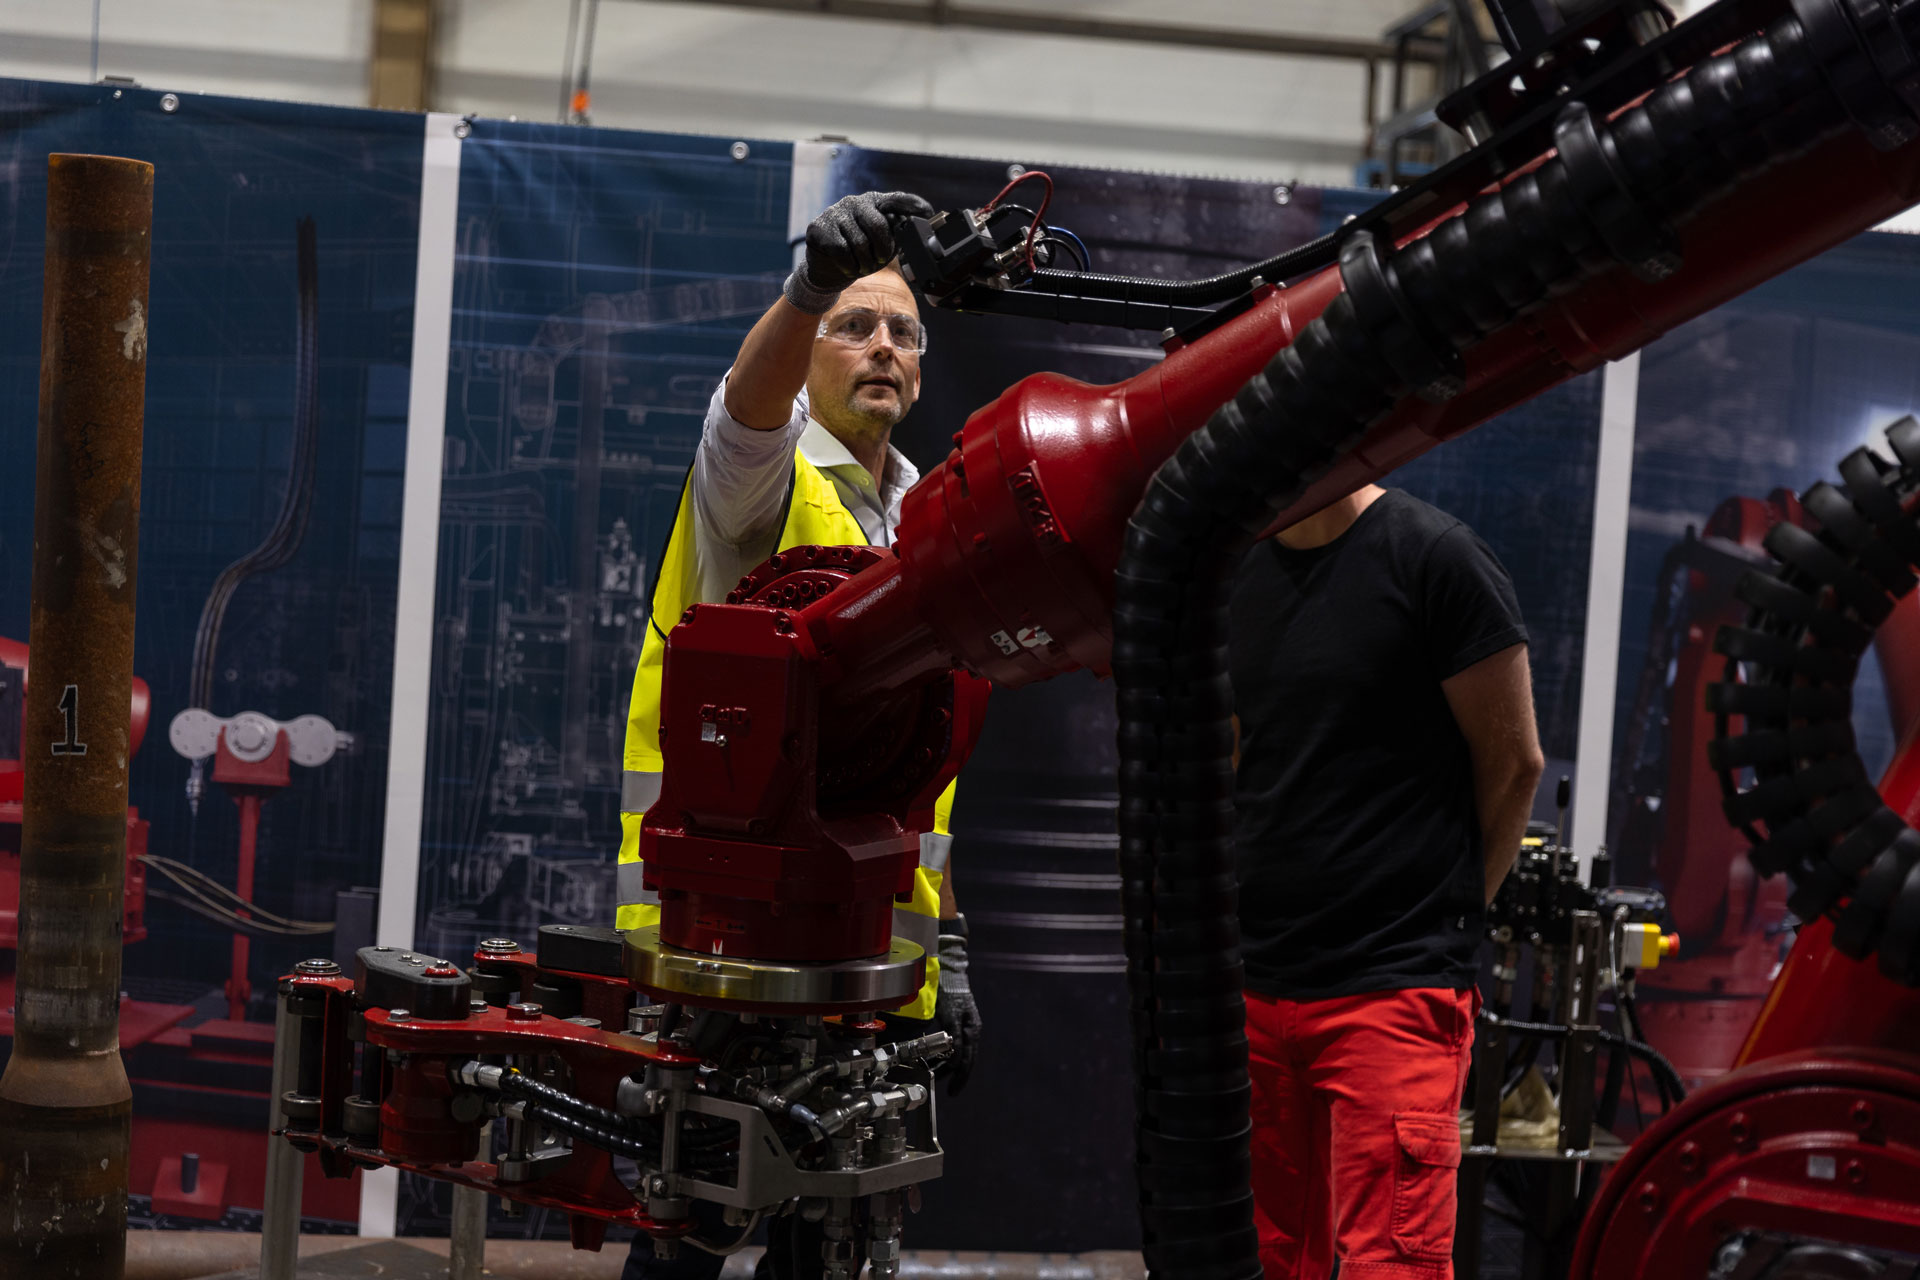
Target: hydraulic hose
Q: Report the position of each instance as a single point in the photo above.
(1610, 194)
(586, 1119)
(520, 1085)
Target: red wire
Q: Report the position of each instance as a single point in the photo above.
(1039, 213)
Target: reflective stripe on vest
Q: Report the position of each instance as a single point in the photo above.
(923, 931)
(639, 788)
(630, 878)
(937, 846)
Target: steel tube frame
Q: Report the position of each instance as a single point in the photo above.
(467, 1232)
(286, 1165)
(65, 1104)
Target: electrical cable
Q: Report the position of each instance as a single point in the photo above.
(290, 526)
(1045, 200)
(1663, 1070)
(223, 913)
(228, 920)
(188, 877)
(1086, 256)
(738, 1243)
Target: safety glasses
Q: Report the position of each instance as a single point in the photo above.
(855, 327)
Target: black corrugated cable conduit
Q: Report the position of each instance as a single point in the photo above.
(1611, 194)
(1811, 808)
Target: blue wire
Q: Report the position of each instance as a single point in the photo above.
(1054, 228)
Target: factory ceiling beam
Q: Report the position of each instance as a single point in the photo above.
(1034, 23)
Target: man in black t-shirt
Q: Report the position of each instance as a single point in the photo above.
(1388, 761)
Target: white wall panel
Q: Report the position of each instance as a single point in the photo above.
(708, 69)
(305, 52)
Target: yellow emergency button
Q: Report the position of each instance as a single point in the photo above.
(1642, 946)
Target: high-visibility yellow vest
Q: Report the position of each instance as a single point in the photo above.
(815, 517)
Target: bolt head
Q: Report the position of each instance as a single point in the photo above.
(499, 946)
(399, 1015)
(1283, 194)
(1862, 1114)
(169, 102)
(317, 968)
(1649, 1196)
(526, 1011)
(1014, 171)
(739, 151)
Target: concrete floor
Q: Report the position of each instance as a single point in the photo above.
(227, 1255)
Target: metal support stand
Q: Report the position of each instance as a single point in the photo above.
(280, 1203)
(467, 1237)
(1566, 988)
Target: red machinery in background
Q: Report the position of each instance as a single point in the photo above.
(1628, 178)
(201, 1086)
(1805, 1159)
(1733, 922)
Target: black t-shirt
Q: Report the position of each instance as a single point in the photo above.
(1357, 838)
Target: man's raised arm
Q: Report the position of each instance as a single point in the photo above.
(849, 240)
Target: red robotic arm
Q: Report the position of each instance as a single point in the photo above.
(809, 721)
(1004, 565)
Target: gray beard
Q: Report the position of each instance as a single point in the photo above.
(860, 422)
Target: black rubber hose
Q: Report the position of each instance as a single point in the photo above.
(1664, 1072)
(527, 1089)
(1610, 194)
(640, 1128)
(620, 1141)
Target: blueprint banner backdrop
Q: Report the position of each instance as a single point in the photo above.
(313, 636)
(603, 281)
(1739, 411)
(1035, 843)
(602, 284)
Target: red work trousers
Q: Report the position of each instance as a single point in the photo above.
(1356, 1141)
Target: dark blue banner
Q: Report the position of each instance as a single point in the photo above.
(311, 635)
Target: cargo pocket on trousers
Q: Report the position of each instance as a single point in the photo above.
(1425, 1174)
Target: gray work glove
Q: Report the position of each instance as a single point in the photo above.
(849, 240)
(955, 1011)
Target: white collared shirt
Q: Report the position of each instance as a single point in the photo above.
(740, 481)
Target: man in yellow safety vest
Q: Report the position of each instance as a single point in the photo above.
(796, 451)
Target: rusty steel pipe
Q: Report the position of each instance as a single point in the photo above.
(65, 1106)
